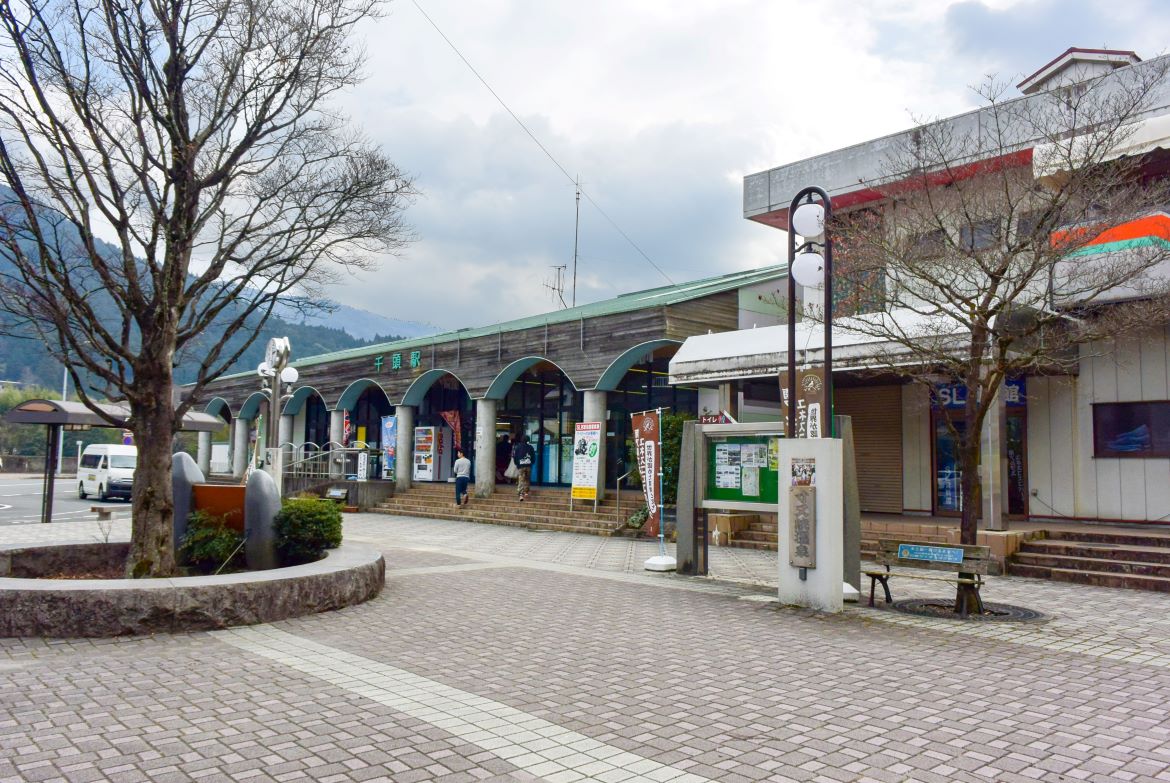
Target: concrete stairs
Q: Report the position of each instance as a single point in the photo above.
(760, 534)
(545, 509)
(1138, 561)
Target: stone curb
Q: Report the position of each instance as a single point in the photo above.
(64, 608)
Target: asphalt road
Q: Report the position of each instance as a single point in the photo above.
(20, 500)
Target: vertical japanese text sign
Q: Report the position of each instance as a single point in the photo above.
(646, 445)
(810, 402)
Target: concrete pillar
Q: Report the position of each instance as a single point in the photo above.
(203, 453)
(485, 447)
(240, 429)
(404, 469)
(285, 431)
(993, 470)
(594, 410)
(336, 433)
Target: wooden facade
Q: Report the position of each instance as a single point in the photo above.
(584, 349)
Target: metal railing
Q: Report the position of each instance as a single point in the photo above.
(330, 460)
(619, 491)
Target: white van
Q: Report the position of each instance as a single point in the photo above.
(107, 470)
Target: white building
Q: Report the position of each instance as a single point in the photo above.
(1091, 444)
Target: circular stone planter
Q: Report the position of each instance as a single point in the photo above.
(346, 576)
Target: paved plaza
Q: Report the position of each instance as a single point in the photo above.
(495, 653)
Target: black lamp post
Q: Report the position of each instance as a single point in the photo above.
(810, 214)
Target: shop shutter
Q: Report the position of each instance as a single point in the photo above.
(877, 442)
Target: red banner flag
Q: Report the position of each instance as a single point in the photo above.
(648, 447)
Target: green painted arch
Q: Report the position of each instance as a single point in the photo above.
(350, 396)
(423, 383)
(618, 368)
(217, 407)
(251, 407)
(502, 382)
(298, 399)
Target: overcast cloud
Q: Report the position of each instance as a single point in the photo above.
(661, 108)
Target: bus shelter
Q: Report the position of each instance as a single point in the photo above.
(61, 415)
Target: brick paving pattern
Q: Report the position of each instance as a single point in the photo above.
(495, 653)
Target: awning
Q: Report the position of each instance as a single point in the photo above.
(72, 413)
(763, 352)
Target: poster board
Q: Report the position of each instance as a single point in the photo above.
(586, 458)
(742, 468)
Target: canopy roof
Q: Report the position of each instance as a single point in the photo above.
(763, 353)
(70, 413)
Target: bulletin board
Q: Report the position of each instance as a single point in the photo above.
(742, 468)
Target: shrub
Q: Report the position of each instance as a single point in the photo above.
(639, 517)
(305, 528)
(210, 545)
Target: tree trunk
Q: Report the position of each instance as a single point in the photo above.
(152, 546)
(971, 489)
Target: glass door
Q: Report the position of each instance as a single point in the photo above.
(947, 471)
(1017, 454)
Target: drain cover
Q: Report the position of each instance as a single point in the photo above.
(992, 613)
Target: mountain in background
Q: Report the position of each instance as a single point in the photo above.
(26, 361)
(358, 323)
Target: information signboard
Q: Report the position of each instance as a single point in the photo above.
(586, 456)
(743, 468)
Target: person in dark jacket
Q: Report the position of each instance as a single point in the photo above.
(523, 455)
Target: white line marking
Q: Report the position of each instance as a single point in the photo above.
(531, 744)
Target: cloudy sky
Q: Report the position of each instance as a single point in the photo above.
(661, 108)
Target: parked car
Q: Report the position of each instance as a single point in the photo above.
(107, 470)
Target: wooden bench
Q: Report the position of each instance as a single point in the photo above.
(959, 559)
(103, 512)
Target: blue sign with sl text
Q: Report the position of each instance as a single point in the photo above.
(932, 554)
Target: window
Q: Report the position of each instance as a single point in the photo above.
(979, 235)
(930, 244)
(124, 461)
(90, 461)
(1131, 429)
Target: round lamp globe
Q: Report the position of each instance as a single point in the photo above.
(809, 220)
(808, 269)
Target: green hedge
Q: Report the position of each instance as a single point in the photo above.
(305, 528)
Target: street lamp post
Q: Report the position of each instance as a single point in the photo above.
(273, 372)
(811, 218)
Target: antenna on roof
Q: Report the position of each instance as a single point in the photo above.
(557, 285)
(576, 233)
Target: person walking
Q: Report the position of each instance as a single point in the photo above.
(522, 455)
(462, 478)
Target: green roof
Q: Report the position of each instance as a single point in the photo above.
(638, 300)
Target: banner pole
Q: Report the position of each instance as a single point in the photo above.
(661, 561)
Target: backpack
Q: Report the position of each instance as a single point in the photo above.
(524, 457)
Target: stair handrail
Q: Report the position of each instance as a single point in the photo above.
(619, 492)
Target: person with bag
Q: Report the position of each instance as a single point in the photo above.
(522, 456)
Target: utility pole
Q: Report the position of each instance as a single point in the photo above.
(576, 233)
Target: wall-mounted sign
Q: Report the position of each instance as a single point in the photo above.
(414, 358)
(802, 513)
(954, 395)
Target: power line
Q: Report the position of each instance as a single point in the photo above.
(538, 143)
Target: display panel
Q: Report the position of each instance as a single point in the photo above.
(1131, 429)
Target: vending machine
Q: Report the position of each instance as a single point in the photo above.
(432, 453)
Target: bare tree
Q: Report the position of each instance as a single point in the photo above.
(199, 139)
(979, 245)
